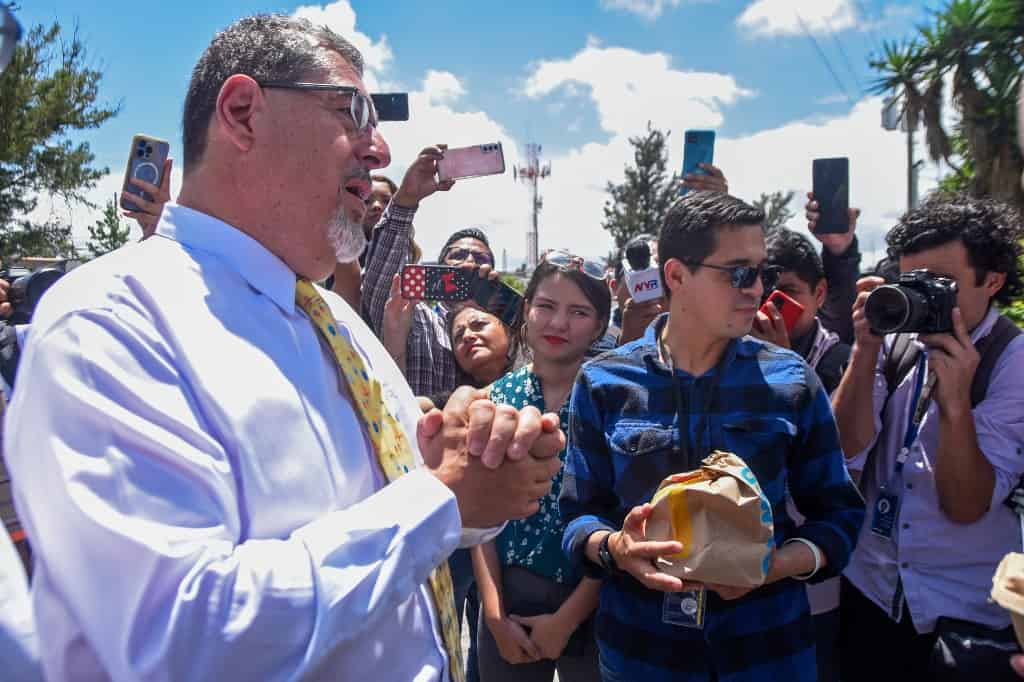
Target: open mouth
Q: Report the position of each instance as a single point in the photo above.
(358, 187)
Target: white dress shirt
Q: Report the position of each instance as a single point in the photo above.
(202, 498)
(19, 650)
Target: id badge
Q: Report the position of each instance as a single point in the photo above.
(685, 609)
(883, 517)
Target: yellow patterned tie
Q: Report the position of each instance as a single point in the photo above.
(393, 450)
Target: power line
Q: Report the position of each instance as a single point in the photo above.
(821, 55)
(846, 57)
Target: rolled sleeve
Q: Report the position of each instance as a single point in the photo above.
(999, 421)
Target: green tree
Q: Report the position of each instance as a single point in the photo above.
(47, 93)
(977, 46)
(776, 209)
(639, 203)
(109, 232)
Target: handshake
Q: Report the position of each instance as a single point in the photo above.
(498, 461)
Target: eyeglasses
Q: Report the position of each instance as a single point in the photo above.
(744, 276)
(568, 261)
(462, 254)
(360, 108)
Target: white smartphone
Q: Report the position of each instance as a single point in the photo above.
(145, 162)
(471, 162)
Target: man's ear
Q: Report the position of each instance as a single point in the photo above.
(239, 102)
(993, 282)
(676, 275)
(821, 292)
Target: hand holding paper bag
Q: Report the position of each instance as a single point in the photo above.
(723, 521)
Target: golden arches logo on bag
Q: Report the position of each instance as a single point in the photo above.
(721, 517)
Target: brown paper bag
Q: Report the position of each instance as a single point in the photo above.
(721, 517)
(1008, 590)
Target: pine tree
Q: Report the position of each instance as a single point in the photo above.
(47, 94)
(108, 233)
(638, 204)
(776, 209)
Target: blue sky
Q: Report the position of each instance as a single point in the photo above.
(578, 77)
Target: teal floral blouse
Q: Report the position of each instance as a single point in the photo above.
(534, 543)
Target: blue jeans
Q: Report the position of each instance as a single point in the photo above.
(464, 585)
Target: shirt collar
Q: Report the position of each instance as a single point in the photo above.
(742, 346)
(986, 324)
(198, 231)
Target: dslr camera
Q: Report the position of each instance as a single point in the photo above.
(919, 301)
(27, 287)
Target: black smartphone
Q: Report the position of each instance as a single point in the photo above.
(832, 192)
(391, 106)
(436, 283)
(146, 162)
(499, 299)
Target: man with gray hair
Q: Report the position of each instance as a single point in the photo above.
(234, 481)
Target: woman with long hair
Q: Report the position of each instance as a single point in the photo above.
(536, 608)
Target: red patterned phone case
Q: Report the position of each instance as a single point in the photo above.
(436, 283)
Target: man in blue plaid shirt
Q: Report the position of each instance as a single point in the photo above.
(733, 393)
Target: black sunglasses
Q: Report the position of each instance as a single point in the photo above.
(744, 276)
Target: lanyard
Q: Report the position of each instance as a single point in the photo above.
(690, 456)
(918, 406)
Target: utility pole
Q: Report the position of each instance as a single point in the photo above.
(531, 174)
(895, 118)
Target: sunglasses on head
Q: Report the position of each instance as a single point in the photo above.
(744, 276)
(568, 261)
(463, 254)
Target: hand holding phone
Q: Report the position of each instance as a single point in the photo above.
(437, 283)
(831, 179)
(698, 148)
(145, 162)
(471, 162)
(790, 309)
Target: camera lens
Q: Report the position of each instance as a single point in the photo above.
(887, 309)
(149, 151)
(140, 153)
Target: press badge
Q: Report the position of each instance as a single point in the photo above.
(883, 518)
(685, 609)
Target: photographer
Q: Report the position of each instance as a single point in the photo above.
(939, 449)
(629, 431)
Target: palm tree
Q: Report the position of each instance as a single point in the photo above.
(977, 47)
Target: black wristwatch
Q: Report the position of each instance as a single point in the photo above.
(604, 555)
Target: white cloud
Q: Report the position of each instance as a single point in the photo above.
(341, 18)
(441, 87)
(630, 88)
(767, 18)
(646, 9)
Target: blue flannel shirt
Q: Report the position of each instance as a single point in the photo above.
(769, 409)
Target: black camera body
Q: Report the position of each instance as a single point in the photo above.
(27, 287)
(920, 301)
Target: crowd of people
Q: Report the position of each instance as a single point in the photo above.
(239, 452)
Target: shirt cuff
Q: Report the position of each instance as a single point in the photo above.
(471, 537)
(400, 216)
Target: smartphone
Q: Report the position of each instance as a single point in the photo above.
(391, 106)
(787, 307)
(436, 282)
(499, 299)
(145, 162)
(832, 192)
(698, 148)
(471, 162)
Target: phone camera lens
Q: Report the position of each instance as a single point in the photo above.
(140, 153)
(149, 151)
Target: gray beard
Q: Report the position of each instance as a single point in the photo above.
(346, 237)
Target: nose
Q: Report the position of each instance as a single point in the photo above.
(757, 288)
(376, 154)
(560, 320)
